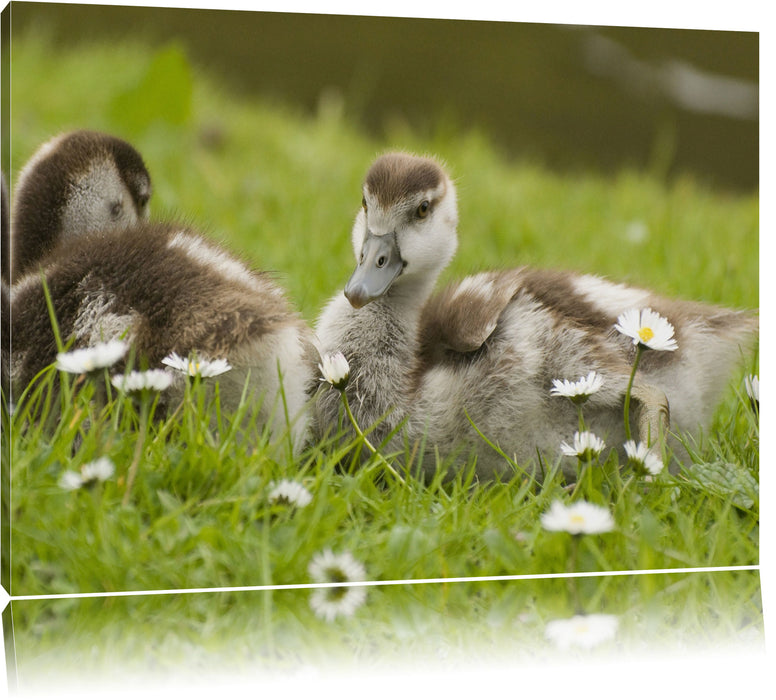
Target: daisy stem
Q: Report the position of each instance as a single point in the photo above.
(580, 474)
(581, 419)
(639, 350)
(583, 477)
(365, 440)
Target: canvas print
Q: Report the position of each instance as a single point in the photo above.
(337, 339)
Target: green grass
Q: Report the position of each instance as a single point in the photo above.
(281, 188)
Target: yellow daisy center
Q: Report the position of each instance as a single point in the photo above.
(578, 519)
(193, 367)
(646, 334)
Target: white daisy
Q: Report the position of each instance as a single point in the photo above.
(291, 492)
(335, 369)
(579, 390)
(86, 360)
(586, 445)
(100, 469)
(153, 379)
(647, 328)
(752, 386)
(327, 567)
(579, 518)
(642, 458)
(337, 600)
(331, 601)
(583, 631)
(195, 367)
(70, 481)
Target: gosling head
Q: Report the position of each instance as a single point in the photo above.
(405, 229)
(76, 183)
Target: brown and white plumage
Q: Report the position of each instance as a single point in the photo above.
(165, 289)
(5, 292)
(490, 345)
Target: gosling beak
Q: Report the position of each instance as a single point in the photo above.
(380, 264)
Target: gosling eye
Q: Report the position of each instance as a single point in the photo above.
(115, 210)
(423, 209)
(363, 203)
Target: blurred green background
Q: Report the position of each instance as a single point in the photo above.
(569, 97)
(631, 153)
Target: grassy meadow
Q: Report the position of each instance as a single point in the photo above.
(281, 188)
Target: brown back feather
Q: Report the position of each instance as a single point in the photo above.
(179, 304)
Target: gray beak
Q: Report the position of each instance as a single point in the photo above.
(379, 266)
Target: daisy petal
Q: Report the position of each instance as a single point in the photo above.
(85, 360)
(152, 379)
(586, 445)
(647, 328)
(579, 390)
(335, 370)
(579, 518)
(291, 492)
(330, 601)
(642, 458)
(583, 631)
